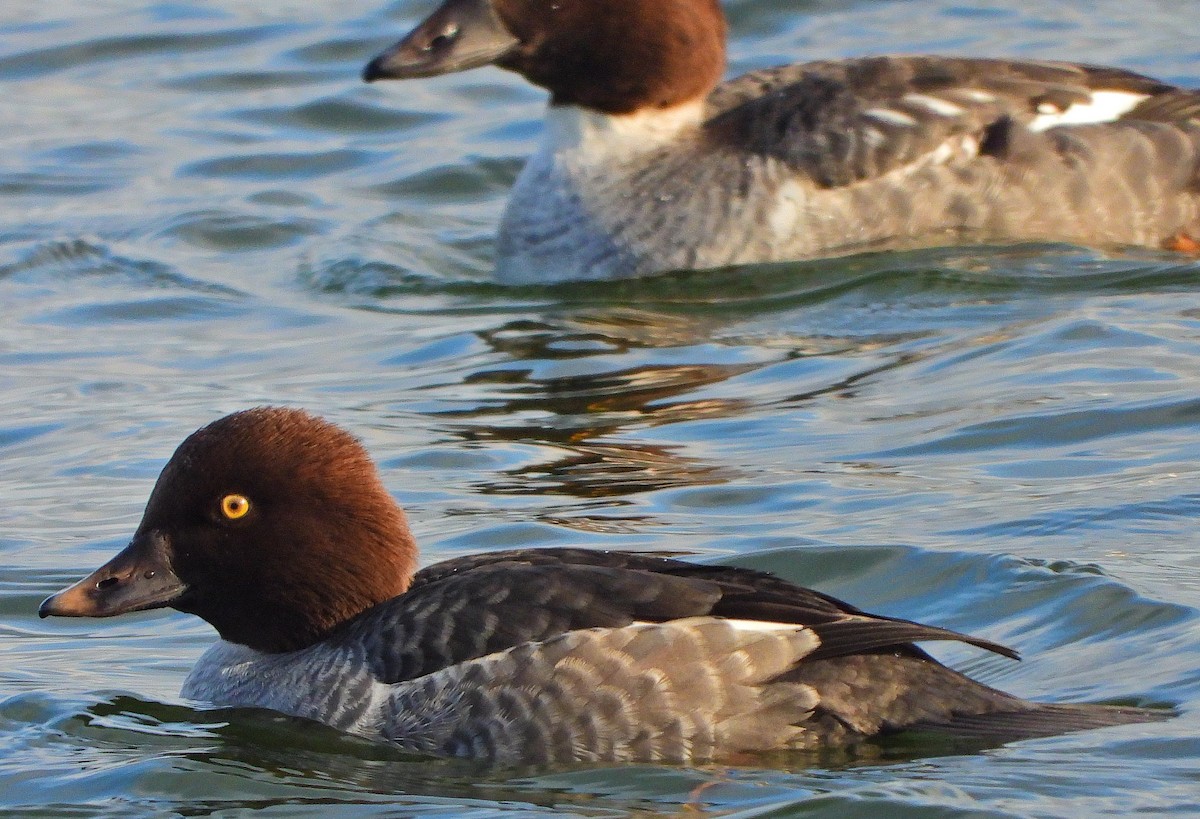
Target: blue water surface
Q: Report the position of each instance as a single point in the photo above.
(202, 209)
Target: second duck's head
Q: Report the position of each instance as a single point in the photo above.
(608, 56)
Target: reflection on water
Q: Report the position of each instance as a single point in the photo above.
(606, 470)
(576, 415)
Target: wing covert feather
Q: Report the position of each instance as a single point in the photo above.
(468, 608)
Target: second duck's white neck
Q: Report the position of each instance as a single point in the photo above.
(570, 129)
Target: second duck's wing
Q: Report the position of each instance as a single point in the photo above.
(845, 121)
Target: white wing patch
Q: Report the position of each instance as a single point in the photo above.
(939, 106)
(763, 625)
(972, 95)
(891, 117)
(1104, 106)
(736, 625)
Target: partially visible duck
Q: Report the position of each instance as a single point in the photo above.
(274, 526)
(648, 164)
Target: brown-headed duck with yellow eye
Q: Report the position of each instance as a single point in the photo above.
(274, 526)
(650, 163)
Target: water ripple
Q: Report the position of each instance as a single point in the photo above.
(43, 61)
(202, 208)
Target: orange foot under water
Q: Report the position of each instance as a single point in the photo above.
(1182, 242)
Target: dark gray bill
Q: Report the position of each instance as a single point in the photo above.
(139, 577)
(461, 34)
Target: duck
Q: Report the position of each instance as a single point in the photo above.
(274, 526)
(649, 163)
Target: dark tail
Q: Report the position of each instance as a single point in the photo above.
(1043, 719)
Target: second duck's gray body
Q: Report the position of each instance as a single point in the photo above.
(832, 157)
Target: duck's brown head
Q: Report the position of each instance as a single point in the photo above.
(271, 524)
(610, 56)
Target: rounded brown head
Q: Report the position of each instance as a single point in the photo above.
(271, 524)
(611, 56)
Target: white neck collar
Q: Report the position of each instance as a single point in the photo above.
(570, 128)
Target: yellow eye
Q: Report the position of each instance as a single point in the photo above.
(235, 506)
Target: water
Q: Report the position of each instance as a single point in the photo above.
(201, 209)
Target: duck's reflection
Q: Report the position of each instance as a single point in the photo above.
(264, 761)
(581, 386)
(579, 416)
(608, 469)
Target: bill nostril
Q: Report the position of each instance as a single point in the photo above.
(107, 583)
